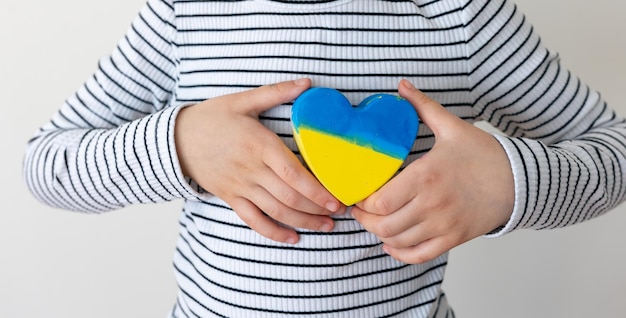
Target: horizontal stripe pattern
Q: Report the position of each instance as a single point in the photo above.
(342, 272)
(111, 143)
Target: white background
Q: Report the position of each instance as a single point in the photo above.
(60, 264)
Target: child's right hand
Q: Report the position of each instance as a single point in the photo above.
(224, 148)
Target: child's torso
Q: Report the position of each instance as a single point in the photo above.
(360, 48)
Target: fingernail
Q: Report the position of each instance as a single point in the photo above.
(300, 82)
(332, 206)
(326, 227)
(292, 240)
(408, 84)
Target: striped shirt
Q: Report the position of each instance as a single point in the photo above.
(111, 143)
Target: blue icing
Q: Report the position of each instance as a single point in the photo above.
(385, 123)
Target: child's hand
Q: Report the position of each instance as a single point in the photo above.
(463, 188)
(224, 148)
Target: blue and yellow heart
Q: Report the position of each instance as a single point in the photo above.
(353, 151)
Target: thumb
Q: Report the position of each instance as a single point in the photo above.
(435, 116)
(258, 100)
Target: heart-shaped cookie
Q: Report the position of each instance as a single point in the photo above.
(353, 151)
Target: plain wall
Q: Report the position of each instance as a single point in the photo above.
(61, 264)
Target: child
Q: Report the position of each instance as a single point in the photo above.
(183, 109)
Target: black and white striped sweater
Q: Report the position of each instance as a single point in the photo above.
(111, 143)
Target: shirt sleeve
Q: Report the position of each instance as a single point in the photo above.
(111, 144)
(567, 148)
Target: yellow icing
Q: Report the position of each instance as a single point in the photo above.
(349, 171)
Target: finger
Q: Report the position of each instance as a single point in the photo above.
(289, 169)
(288, 216)
(435, 116)
(289, 196)
(393, 195)
(411, 236)
(387, 228)
(262, 224)
(263, 98)
(423, 252)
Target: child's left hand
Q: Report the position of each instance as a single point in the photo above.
(461, 189)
